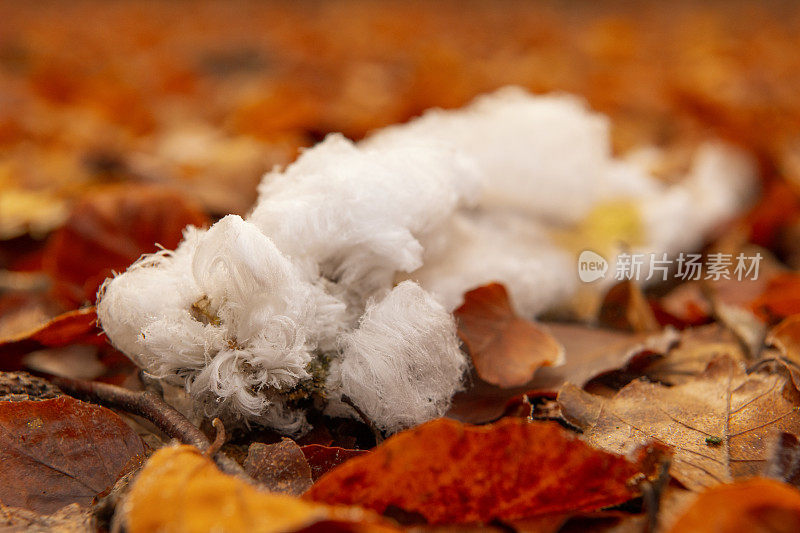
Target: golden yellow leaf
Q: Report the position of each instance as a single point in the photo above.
(180, 490)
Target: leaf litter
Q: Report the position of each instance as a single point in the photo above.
(720, 423)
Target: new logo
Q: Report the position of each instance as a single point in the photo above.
(591, 266)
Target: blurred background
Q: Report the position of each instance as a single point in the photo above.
(122, 121)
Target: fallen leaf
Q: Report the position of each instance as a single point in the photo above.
(73, 327)
(505, 349)
(452, 473)
(61, 451)
(719, 423)
(589, 352)
(683, 306)
(69, 519)
(75, 362)
(625, 308)
(21, 311)
(786, 338)
(181, 490)
(783, 461)
(21, 386)
(776, 209)
(108, 230)
(695, 349)
(746, 326)
(281, 467)
(747, 506)
(592, 351)
(780, 299)
(323, 459)
(31, 212)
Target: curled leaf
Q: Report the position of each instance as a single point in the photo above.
(626, 308)
(590, 352)
(786, 338)
(73, 327)
(505, 349)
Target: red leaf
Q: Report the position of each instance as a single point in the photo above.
(73, 327)
(323, 459)
(61, 451)
(109, 230)
(780, 299)
(453, 473)
(505, 349)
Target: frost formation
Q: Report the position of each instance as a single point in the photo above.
(338, 287)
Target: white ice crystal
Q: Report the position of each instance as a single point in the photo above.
(357, 215)
(540, 155)
(544, 164)
(254, 314)
(336, 289)
(398, 359)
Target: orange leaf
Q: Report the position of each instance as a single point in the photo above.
(454, 473)
(786, 338)
(505, 349)
(73, 327)
(181, 490)
(780, 299)
(757, 504)
(61, 451)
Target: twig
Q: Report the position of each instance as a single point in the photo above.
(651, 496)
(150, 407)
(219, 440)
(375, 431)
(145, 404)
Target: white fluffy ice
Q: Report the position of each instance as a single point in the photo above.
(303, 295)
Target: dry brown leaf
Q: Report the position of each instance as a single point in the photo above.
(746, 326)
(696, 348)
(589, 352)
(786, 338)
(719, 423)
(281, 467)
(452, 473)
(69, 519)
(61, 451)
(685, 305)
(750, 506)
(505, 349)
(180, 490)
(21, 386)
(625, 308)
